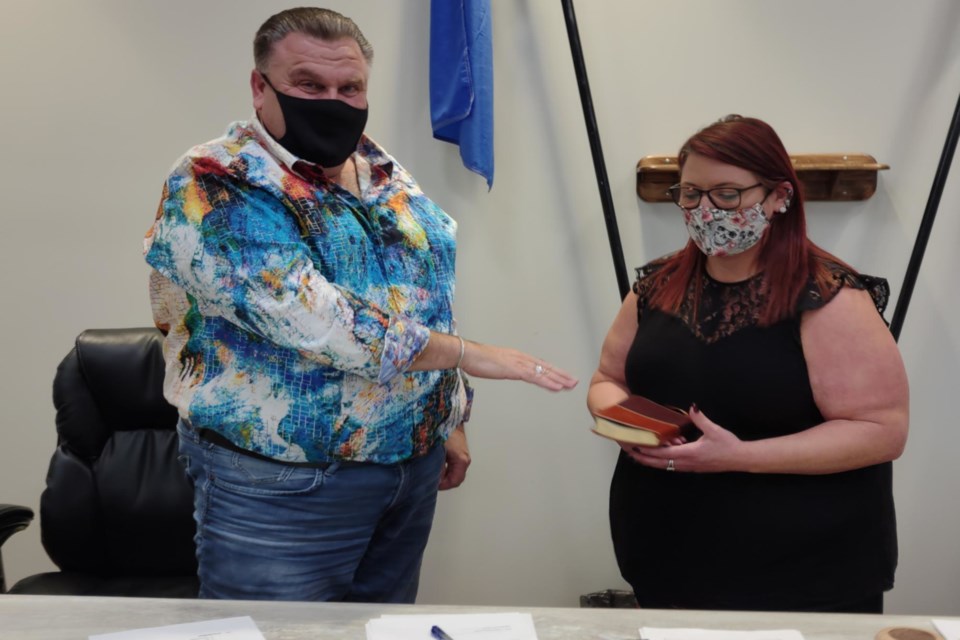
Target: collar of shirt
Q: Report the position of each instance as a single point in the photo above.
(371, 160)
(277, 150)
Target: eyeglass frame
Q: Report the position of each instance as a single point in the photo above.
(674, 193)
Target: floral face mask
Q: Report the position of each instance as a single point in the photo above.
(723, 232)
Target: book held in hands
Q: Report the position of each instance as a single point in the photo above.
(642, 421)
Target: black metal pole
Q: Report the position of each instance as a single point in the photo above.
(613, 231)
(926, 224)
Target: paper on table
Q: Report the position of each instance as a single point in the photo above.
(462, 626)
(949, 629)
(241, 628)
(653, 633)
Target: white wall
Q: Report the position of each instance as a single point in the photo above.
(100, 97)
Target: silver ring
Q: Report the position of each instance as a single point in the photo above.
(670, 466)
(538, 370)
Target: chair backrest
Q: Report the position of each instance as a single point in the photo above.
(117, 502)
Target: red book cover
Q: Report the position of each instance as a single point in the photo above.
(642, 421)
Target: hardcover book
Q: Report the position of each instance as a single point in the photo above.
(642, 421)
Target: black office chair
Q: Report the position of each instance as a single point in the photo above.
(117, 514)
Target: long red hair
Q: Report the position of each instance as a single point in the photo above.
(787, 257)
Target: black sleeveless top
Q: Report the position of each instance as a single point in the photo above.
(740, 540)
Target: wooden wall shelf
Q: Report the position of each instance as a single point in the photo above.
(824, 176)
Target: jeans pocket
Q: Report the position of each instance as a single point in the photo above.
(247, 475)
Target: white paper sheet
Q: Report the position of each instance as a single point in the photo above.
(654, 633)
(242, 628)
(949, 629)
(465, 626)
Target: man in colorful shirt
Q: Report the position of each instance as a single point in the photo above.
(305, 284)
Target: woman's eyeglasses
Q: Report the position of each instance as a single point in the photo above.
(722, 197)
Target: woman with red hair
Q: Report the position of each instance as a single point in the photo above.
(779, 349)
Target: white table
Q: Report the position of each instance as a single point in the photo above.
(73, 617)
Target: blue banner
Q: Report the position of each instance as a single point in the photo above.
(461, 80)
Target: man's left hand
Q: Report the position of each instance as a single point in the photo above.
(458, 459)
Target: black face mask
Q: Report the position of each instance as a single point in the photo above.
(325, 132)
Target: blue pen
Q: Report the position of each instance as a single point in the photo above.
(439, 633)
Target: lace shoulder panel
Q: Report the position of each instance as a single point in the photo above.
(878, 288)
(643, 285)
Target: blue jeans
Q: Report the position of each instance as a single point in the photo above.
(343, 531)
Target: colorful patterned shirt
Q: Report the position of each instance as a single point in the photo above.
(293, 309)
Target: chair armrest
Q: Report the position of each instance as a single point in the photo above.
(13, 518)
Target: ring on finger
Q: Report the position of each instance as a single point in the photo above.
(538, 370)
(670, 465)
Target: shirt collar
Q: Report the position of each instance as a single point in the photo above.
(276, 149)
(368, 154)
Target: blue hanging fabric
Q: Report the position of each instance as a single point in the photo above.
(461, 80)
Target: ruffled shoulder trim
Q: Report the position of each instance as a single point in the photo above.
(841, 276)
(645, 278)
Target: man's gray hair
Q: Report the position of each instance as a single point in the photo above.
(324, 24)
